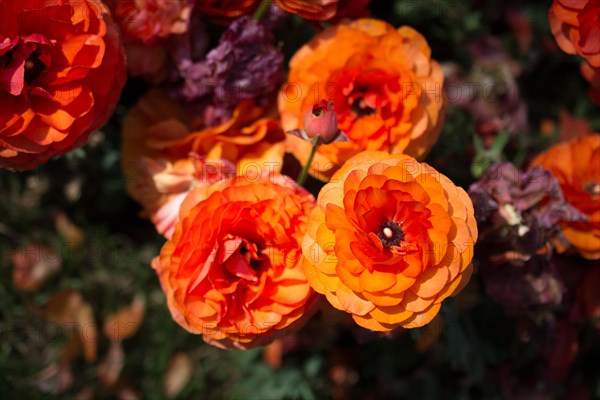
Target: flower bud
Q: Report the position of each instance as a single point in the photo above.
(321, 120)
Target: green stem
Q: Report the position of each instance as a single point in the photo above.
(304, 174)
(262, 10)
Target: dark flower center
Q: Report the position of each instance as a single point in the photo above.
(360, 108)
(33, 67)
(390, 234)
(6, 59)
(251, 254)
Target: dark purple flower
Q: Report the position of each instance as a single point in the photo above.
(518, 214)
(244, 65)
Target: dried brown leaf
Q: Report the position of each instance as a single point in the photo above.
(178, 374)
(125, 323)
(69, 309)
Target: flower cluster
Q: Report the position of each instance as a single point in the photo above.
(208, 148)
(392, 237)
(388, 238)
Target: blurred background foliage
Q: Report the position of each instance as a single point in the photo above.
(75, 208)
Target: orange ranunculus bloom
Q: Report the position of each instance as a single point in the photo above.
(576, 28)
(164, 157)
(62, 69)
(576, 165)
(226, 8)
(389, 239)
(318, 10)
(232, 270)
(386, 90)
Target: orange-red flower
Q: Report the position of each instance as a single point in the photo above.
(62, 69)
(164, 157)
(576, 165)
(386, 90)
(232, 270)
(389, 239)
(576, 27)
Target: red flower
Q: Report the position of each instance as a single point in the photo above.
(62, 69)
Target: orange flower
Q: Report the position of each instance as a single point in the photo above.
(576, 28)
(576, 165)
(62, 69)
(386, 90)
(318, 10)
(389, 239)
(232, 270)
(164, 158)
